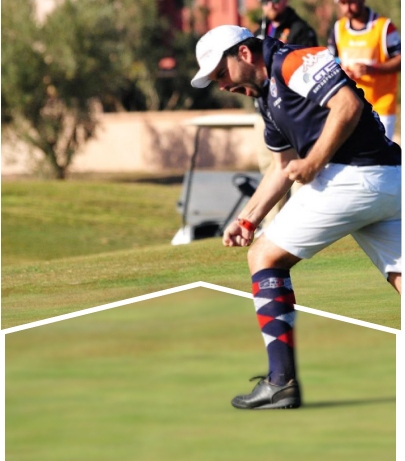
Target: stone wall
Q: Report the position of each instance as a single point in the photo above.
(151, 142)
(155, 142)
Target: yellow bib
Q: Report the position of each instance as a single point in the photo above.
(367, 47)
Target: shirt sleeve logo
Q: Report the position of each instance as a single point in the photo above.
(327, 70)
(273, 87)
(310, 60)
(317, 67)
(310, 71)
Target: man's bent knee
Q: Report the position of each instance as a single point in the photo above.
(264, 254)
(395, 279)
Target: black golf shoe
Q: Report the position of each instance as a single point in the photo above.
(267, 396)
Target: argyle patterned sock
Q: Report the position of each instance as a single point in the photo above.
(274, 303)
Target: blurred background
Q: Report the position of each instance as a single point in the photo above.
(98, 132)
(110, 80)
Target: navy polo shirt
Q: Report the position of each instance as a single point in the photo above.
(301, 82)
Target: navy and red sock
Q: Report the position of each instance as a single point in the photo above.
(274, 303)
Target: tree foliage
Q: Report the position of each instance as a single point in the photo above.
(56, 74)
(85, 57)
(89, 56)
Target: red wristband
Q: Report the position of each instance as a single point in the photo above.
(247, 225)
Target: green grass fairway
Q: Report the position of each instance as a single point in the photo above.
(339, 280)
(152, 381)
(73, 245)
(47, 220)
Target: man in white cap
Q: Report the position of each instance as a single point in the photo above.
(325, 135)
(282, 22)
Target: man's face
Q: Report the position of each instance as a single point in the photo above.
(237, 75)
(351, 9)
(272, 9)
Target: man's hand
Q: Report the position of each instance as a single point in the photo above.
(300, 171)
(235, 235)
(359, 69)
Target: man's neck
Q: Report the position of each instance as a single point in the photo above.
(360, 22)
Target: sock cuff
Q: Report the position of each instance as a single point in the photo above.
(270, 272)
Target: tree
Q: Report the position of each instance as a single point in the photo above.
(55, 75)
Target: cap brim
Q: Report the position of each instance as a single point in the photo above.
(201, 78)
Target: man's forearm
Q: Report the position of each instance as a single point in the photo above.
(345, 112)
(391, 66)
(270, 191)
(344, 115)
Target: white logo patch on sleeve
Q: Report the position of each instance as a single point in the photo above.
(314, 72)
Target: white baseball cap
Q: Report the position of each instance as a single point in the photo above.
(211, 47)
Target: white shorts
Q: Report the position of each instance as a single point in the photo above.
(362, 201)
(389, 124)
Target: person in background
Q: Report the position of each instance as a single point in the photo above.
(279, 21)
(368, 48)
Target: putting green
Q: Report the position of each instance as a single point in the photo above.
(152, 381)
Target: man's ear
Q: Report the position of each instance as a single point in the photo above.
(245, 54)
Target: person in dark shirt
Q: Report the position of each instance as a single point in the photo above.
(325, 135)
(282, 22)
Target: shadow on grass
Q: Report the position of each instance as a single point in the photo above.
(346, 403)
(172, 177)
(165, 180)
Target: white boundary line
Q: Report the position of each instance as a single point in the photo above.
(178, 289)
(309, 310)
